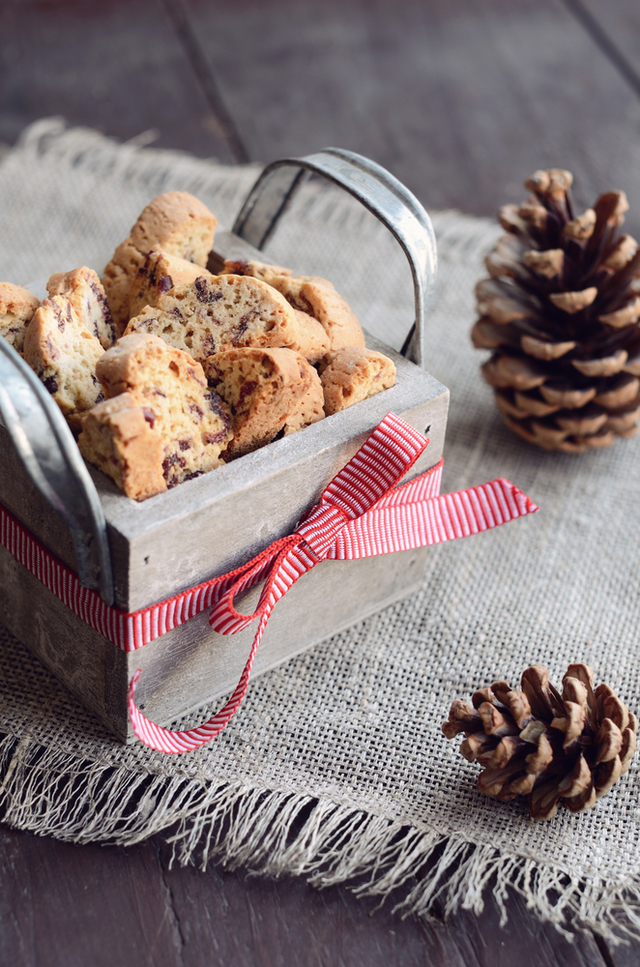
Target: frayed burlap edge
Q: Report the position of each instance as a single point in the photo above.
(49, 792)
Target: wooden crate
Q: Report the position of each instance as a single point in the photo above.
(199, 530)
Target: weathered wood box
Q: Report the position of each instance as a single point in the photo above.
(209, 525)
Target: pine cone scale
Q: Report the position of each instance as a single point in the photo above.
(580, 803)
(577, 781)
(608, 740)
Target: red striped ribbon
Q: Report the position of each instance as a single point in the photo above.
(359, 515)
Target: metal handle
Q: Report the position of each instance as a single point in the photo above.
(52, 460)
(396, 207)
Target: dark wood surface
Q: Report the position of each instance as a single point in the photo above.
(461, 100)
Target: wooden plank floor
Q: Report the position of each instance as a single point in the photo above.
(461, 101)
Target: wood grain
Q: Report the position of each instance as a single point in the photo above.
(68, 905)
(615, 29)
(113, 65)
(460, 101)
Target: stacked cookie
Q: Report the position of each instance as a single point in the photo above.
(167, 370)
(160, 423)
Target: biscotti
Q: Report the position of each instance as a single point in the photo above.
(311, 295)
(354, 374)
(64, 354)
(178, 224)
(161, 423)
(214, 314)
(158, 274)
(269, 392)
(118, 437)
(17, 306)
(319, 299)
(83, 289)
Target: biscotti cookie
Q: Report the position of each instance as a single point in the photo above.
(83, 289)
(64, 354)
(269, 391)
(17, 306)
(178, 224)
(318, 298)
(315, 297)
(312, 341)
(214, 314)
(118, 437)
(117, 279)
(158, 274)
(169, 389)
(354, 374)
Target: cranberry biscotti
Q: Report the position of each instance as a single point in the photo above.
(354, 374)
(178, 224)
(85, 292)
(63, 353)
(268, 391)
(160, 424)
(17, 307)
(311, 295)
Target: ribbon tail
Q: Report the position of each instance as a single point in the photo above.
(175, 742)
(380, 463)
(402, 526)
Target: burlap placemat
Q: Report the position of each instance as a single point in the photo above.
(335, 767)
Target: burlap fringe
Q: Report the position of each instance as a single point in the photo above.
(49, 792)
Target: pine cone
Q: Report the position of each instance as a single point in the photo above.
(552, 748)
(560, 313)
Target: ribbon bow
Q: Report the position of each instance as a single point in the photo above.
(360, 514)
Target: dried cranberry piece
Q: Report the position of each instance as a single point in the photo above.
(149, 416)
(243, 325)
(247, 389)
(215, 437)
(219, 409)
(51, 384)
(204, 293)
(51, 347)
(61, 320)
(170, 461)
(208, 345)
